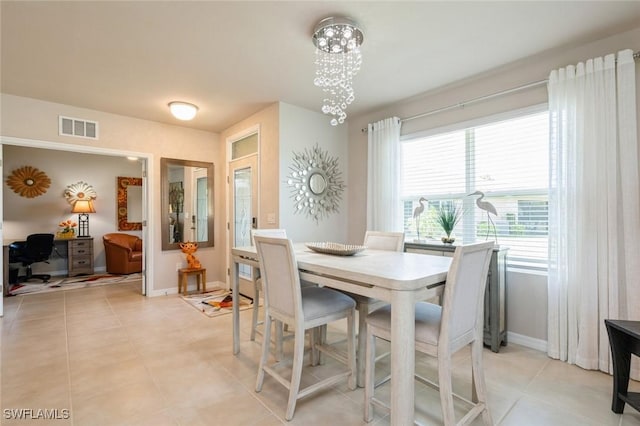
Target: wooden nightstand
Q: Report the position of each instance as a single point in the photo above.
(80, 252)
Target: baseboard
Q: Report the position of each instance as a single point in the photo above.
(526, 341)
(174, 290)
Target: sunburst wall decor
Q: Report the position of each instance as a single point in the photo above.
(28, 182)
(315, 183)
(79, 191)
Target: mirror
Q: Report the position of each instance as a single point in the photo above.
(317, 183)
(129, 196)
(187, 202)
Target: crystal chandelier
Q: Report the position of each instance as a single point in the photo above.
(338, 60)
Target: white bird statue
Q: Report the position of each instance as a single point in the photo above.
(489, 208)
(417, 212)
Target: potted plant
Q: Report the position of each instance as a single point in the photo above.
(447, 217)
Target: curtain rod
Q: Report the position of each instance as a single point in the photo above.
(636, 56)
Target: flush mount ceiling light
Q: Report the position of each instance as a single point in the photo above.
(338, 60)
(183, 110)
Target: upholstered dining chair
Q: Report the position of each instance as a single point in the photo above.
(442, 331)
(302, 308)
(257, 281)
(376, 240)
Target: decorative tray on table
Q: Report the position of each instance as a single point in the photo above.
(336, 248)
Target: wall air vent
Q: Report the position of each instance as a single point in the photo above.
(77, 127)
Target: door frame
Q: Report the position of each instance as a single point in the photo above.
(147, 195)
(255, 129)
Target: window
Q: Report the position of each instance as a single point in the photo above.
(507, 160)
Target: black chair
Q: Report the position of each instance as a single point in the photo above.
(37, 248)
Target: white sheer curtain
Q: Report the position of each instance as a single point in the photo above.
(594, 207)
(384, 211)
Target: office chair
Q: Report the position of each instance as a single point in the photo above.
(37, 248)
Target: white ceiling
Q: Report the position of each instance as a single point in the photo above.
(234, 58)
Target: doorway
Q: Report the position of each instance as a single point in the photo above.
(143, 164)
(243, 196)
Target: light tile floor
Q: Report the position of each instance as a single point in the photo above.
(113, 357)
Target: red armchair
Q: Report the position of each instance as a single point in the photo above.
(123, 253)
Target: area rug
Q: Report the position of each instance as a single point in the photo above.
(70, 283)
(216, 302)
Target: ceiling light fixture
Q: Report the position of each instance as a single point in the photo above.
(338, 60)
(183, 110)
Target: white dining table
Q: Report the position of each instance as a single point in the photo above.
(399, 278)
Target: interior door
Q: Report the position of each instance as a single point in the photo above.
(243, 180)
(145, 229)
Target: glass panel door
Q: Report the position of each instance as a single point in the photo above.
(201, 209)
(244, 214)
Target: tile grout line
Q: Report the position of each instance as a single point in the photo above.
(524, 391)
(66, 336)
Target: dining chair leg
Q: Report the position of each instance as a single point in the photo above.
(446, 389)
(369, 376)
(296, 373)
(480, 385)
(256, 308)
(266, 345)
(322, 339)
(313, 340)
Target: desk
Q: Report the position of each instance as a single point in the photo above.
(399, 278)
(624, 338)
(78, 251)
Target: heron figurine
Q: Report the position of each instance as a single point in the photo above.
(417, 212)
(490, 209)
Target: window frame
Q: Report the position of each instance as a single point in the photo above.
(519, 264)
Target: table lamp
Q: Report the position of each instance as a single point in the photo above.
(83, 207)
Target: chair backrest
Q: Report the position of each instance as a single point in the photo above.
(267, 232)
(280, 277)
(129, 241)
(39, 247)
(463, 300)
(390, 241)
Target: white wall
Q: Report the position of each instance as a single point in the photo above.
(527, 294)
(302, 129)
(23, 216)
(38, 120)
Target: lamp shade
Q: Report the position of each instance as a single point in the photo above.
(83, 206)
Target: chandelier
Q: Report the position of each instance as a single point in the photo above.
(338, 60)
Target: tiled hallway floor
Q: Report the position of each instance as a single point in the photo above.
(112, 357)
